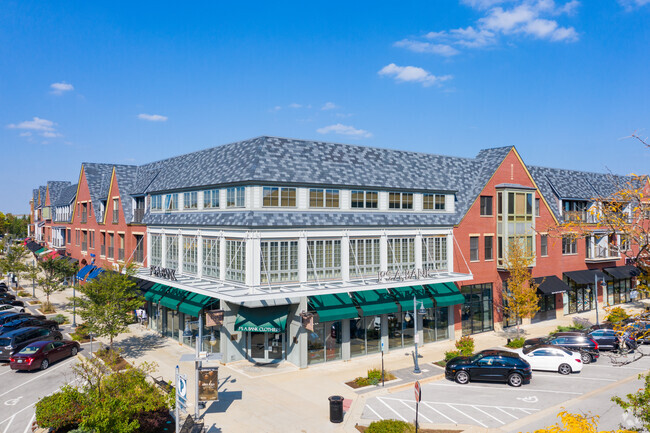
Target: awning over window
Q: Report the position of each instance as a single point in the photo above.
(404, 296)
(41, 250)
(95, 273)
(156, 292)
(586, 276)
(332, 307)
(446, 294)
(373, 302)
(33, 246)
(623, 272)
(194, 303)
(84, 271)
(550, 285)
(172, 298)
(269, 319)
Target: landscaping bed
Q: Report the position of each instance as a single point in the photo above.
(373, 378)
(114, 360)
(394, 426)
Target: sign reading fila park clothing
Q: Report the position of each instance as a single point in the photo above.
(160, 272)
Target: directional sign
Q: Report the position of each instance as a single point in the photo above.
(418, 392)
(182, 387)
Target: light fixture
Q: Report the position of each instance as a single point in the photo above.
(187, 332)
(407, 317)
(422, 311)
(213, 339)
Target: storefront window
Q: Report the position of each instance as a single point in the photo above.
(400, 330)
(323, 259)
(236, 260)
(477, 309)
(618, 291)
(401, 254)
(156, 250)
(580, 298)
(435, 324)
(324, 343)
(172, 252)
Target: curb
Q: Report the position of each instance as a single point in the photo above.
(403, 386)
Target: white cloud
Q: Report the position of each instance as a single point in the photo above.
(61, 88)
(329, 106)
(152, 117)
(295, 105)
(36, 124)
(632, 4)
(502, 18)
(427, 47)
(49, 134)
(412, 74)
(25, 134)
(344, 130)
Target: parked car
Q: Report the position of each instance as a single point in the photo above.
(4, 318)
(25, 321)
(608, 339)
(587, 347)
(3, 289)
(7, 307)
(13, 342)
(551, 358)
(7, 295)
(42, 354)
(14, 302)
(640, 331)
(489, 365)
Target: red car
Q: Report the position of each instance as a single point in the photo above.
(41, 354)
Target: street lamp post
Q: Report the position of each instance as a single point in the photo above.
(596, 294)
(74, 302)
(33, 286)
(416, 370)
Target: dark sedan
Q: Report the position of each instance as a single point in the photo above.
(14, 341)
(576, 342)
(23, 322)
(14, 302)
(7, 295)
(8, 317)
(609, 339)
(42, 354)
(491, 366)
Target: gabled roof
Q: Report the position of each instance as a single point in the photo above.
(97, 177)
(126, 179)
(303, 162)
(35, 197)
(41, 195)
(67, 195)
(55, 187)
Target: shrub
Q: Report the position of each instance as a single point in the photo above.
(47, 307)
(616, 315)
(61, 410)
(516, 343)
(81, 332)
(154, 421)
(373, 377)
(580, 323)
(390, 426)
(465, 345)
(60, 319)
(451, 354)
(23, 294)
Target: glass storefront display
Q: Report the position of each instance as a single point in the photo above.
(400, 329)
(182, 328)
(435, 324)
(324, 343)
(365, 335)
(477, 310)
(579, 299)
(618, 291)
(546, 308)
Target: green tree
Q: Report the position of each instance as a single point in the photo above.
(108, 301)
(54, 272)
(31, 272)
(638, 403)
(520, 298)
(13, 260)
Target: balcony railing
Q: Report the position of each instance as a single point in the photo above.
(84, 217)
(102, 250)
(579, 216)
(84, 246)
(602, 254)
(138, 215)
(116, 216)
(138, 256)
(120, 254)
(110, 252)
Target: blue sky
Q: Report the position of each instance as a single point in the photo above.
(134, 82)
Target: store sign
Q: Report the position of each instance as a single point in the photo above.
(307, 321)
(160, 272)
(209, 384)
(255, 328)
(407, 274)
(213, 318)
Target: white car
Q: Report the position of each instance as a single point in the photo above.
(7, 307)
(551, 358)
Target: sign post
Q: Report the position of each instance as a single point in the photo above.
(181, 397)
(418, 398)
(382, 362)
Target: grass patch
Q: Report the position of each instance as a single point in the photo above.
(23, 294)
(373, 378)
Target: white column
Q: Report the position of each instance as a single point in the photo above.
(199, 254)
(418, 249)
(181, 251)
(163, 259)
(450, 251)
(345, 257)
(254, 265)
(303, 257)
(383, 252)
(222, 257)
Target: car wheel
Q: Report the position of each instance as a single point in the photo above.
(58, 338)
(44, 364)
(515, 379)
(586, 358)
(564, 369)
(22, 310)
(462, 377)
(73, 352)
(53, 328)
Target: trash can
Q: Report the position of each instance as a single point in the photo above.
(336, 408)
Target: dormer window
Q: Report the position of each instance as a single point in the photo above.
(327, 198)
(156, 202)
(400, 200)
(433, 201)
(191, 200)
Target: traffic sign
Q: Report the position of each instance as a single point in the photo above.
(182, 387)
(418, 392)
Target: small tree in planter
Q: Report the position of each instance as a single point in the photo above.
(13, 261)
(31, 272)
(520, 298)
(54, 272)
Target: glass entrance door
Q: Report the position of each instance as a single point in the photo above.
(266, 346)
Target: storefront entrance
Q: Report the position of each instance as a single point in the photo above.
(265, 346)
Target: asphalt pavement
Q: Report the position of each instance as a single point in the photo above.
(531, 406)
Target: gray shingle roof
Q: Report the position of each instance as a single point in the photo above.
(55, 188)
(41, 195)
(126, 179)
(35, 197)
(97, 177)
(67, 195)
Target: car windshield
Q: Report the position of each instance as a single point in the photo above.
(477, 357)
(29, 350)
(5, 342)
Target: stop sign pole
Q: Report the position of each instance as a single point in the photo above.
(418, 398)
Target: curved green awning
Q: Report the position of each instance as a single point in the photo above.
(446, 294)
(265, 319)
(404, 296)
(172, 298)
(333, 307)
(155, 293)
(194, 303)
(374, 302)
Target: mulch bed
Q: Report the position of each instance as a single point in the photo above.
(363, 428)
(121, 363)
(442, 363)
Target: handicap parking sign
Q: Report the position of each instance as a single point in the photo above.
(182, 388)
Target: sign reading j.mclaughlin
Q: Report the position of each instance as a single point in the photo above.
(160, 272)
(405, 274)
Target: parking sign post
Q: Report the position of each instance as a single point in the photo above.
(418, 397)
(382, 362)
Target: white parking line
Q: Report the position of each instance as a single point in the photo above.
(373, 411)
(459, 404)
(622, 367)
(555, 376)
(507, 413)
(10, 419)
(29, 424)
(489, 415)
(38, 376)
(388, 406)
(6, 372)
(526, 389)
(436, 410)
(463, 413)
(422, 415)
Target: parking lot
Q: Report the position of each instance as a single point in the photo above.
(496, 405)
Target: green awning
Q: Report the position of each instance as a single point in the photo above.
(332, 307)
(404, 296)
(172, 298)
(446, 294)
(41, 250)
(155, 293)
(263, 319)
(194, 303)
(374, 302)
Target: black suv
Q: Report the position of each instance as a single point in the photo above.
(23, 322)
(14, 341)
(489, 365)
(575, 341)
